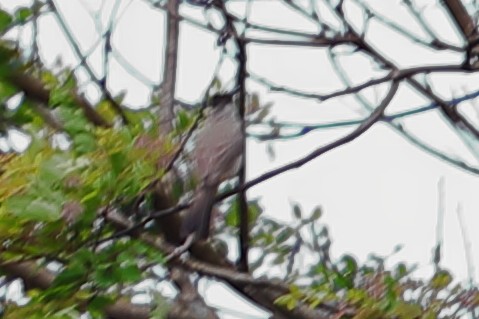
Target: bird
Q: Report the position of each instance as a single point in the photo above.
(216, 158)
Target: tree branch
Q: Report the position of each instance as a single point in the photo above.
(35, 90)
(37, 277)
(101, 83)
(261, 291)
(368, 122)
(462, 19)
(167, 90)
(395, 74)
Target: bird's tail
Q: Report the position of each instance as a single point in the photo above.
(197, 217)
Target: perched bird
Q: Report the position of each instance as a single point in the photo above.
(216, 157)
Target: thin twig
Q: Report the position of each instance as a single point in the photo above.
(439, 223)
(393, 75)
(401, 130)
(368, 122)
(83, 61)
(467, 245)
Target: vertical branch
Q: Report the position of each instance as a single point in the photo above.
(439, 223)
(35, 55)
(243, 204)
(107, 50)
(167, 91)
(468, 253)
(462, 19)
(467, 245)
(467, 27)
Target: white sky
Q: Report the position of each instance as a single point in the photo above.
(376, 192)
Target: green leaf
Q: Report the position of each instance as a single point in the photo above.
(341, 282)
(106, 110)
(254, 211)
(60, 95)
(291, 304)
(297, 211)
(42, 210)
(23, 14)
(349, 264)
(17, 204)
(398, 248)
(137, 117)
(69, 312)
(287, 300)
(316, 214)
(47, 194)
(23, 114)
(73, 274)
(75, 124)
(441, 279)
(5, 20)
(183, 120)
(106, 275)
(356, 296)
(401, 270)
(118, 162)
(7, 90)
(232, 215)
(284, 235)
(84, 143)
(430, 314)
(53, 169)
(98, 304)
(33, 209)
(84, 257)
(404, 310)
(368, 313)
(130, 273)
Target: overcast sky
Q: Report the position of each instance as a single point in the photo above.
(376, 192)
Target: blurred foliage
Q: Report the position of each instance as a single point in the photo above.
(52, 194)
(353, 290)
(343, 287)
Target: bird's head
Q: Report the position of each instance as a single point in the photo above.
(220, 100)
